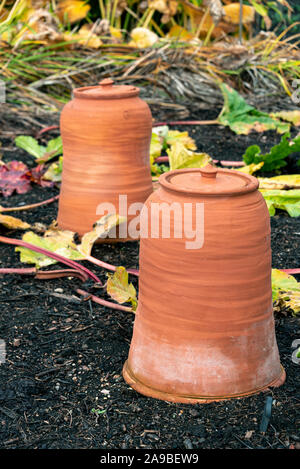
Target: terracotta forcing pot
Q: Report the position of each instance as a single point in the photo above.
(106, 133)
(204, 328)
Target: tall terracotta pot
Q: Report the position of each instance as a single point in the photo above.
(204, 327)
(106, 133)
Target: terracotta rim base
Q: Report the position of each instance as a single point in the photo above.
(150, 392)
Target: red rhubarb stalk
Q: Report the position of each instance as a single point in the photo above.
(53, 255)
(107, 266)
(291, 271)
(165, 159)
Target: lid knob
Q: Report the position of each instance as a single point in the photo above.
(107, 83)
(209, 172)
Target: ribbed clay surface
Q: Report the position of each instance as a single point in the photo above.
(106, 153)
(204, 327)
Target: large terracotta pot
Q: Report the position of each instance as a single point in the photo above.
(204, 328)
(106, 133)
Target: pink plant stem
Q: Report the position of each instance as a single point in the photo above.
(28, 207)
(57, 257)
(46, 129)
(107, 266)
(165, 159)
(50, 274)
(102, 302)
(20, 271)
(212, 122)
(291, 271)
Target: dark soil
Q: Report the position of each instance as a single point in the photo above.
(65, 357)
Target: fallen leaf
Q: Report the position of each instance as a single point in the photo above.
(284, 182)
(243, 118)
(101, 229)
(119, 288)
(13, 223)
(289, 116)
(286, 290)
(180, 157)
(14, 176)
(288, 200)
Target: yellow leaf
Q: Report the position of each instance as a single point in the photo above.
(101, 229)
(289, 116)
(232, 13)
(13, 223)
(142, 38)
(287, 181)
(72, 10)
(251, 168)
(119, 288)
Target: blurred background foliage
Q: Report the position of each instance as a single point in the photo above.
(182, 47)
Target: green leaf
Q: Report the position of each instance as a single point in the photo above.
(243, 118)
(275, 159)
(55, 145)
(288, 200)
(180, 157)
(119, 288)
(30, 145)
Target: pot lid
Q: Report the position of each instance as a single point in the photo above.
(208, 181)
(106, 90)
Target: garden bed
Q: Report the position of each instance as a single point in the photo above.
(65, 355)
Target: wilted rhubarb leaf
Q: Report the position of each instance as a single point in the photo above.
(175, 136)
(119, 288)
(275, 159)
(101, 229)
(251, 168)
(287, 181)
(290, 116)
(243, 118)
(60, 242)
(30, 145)
(14, 176)
(288, 200)
(180, 157)
(286, 289)
(155, 147)
(13, 223)
(54, 172)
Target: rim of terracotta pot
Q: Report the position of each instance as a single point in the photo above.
(213, 182)
(106, 90)
(142, 388)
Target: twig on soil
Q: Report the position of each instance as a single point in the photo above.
(108, 304)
